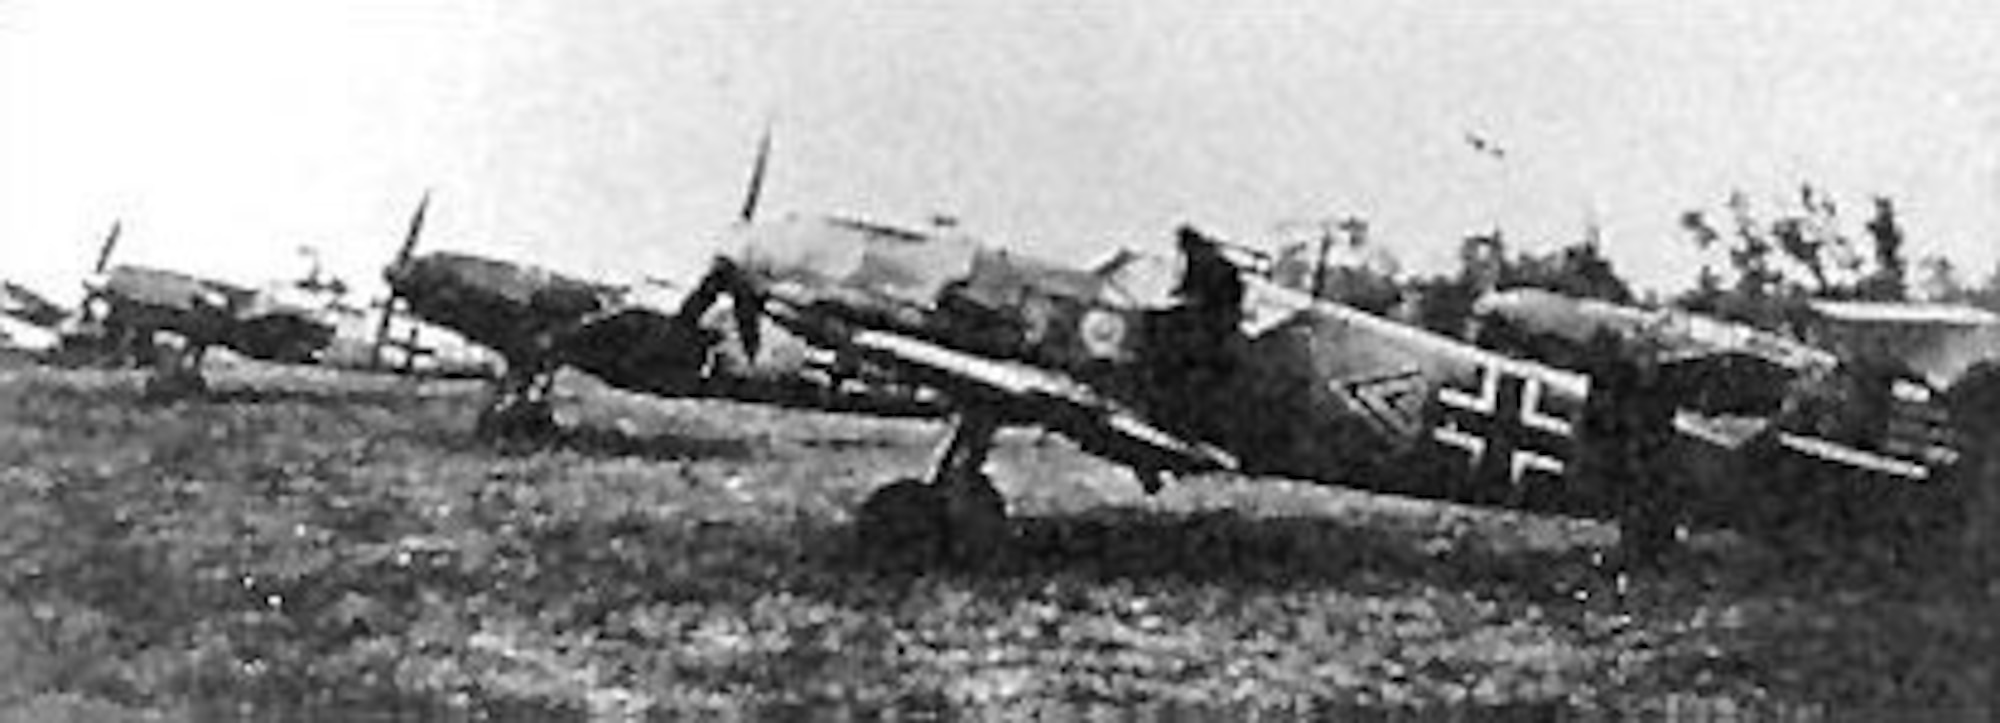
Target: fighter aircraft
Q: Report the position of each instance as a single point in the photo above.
(1223, 370)
(127, 307)
(540, 321)
(307, 321)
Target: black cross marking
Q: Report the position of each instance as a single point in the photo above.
(1504, 428)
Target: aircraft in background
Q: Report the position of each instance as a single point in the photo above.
(170, 319)
(539, 321)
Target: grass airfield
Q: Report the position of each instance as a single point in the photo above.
(314, 545)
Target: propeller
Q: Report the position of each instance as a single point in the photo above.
(724, 277)
(747, 306)
(394, 269)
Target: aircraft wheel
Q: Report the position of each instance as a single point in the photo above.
(910, 522)
(902, 524)
(975, 519)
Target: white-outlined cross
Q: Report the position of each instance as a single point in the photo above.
(1505, 428)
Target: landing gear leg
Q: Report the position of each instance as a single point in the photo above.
(956, 515)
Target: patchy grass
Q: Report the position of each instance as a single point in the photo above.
(306, 544)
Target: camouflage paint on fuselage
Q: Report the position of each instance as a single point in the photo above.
(537, 319)
(941, 286)
(1335, 394)
(504, 306)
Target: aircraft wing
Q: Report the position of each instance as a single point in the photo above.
(1041, 396)
(18, 334)
(22, 303)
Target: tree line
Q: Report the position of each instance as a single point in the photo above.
(1765, 262)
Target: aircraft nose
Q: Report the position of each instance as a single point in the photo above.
(399, 273)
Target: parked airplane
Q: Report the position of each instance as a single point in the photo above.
(1233, 372)
(127, 308)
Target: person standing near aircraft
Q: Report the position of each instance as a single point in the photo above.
(1190, 348)
(1197, 331)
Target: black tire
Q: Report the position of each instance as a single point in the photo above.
(975, 521)
(902, 524)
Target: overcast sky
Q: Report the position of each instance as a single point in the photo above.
(613, 137)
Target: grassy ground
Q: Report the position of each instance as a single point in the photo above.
(314, 546)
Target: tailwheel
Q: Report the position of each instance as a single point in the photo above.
(956, 516)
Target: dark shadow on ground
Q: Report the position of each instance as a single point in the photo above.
(1226, 545)
(591, 441)
(602, 442)
(1247, 551)
(254, 395)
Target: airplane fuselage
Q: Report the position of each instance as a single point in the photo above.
(501, 305)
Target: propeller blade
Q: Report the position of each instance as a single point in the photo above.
(402, 258)
(110, 242)
(748, 309)
(756, 189)
(416, 229)
(382, 332)
(724, 278)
